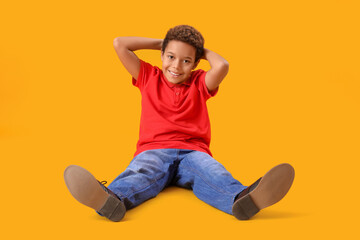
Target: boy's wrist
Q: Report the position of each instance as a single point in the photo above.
(206, 51)
(160, 44)
(152, 43)
(139, 43)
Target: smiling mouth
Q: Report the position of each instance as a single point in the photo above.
(174, 74)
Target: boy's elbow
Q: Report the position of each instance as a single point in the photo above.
(121, 42)
(117, 42)
(224, 66)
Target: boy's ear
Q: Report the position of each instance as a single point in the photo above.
(162, 56)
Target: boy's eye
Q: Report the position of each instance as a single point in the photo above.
(186, 61)
(170, 57)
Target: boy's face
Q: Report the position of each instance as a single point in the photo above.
(178, 61)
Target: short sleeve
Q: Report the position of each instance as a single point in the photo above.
(145, 73)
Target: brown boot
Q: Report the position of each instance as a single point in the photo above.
(90, 192)
(266, 191)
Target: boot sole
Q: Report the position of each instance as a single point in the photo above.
(84, 187)
(273, 186)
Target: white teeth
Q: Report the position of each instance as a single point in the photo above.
(174, 73)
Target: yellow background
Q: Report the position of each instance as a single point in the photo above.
(292, 95)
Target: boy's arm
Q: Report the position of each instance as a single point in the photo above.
(219, 69)
(125, 47)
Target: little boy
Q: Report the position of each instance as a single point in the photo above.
(173, 146)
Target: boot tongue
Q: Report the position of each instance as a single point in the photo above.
(248, 189)
(254, 185)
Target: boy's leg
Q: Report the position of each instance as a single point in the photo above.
(213, 184)
(145, 177)
(148, 173)
(209, 180)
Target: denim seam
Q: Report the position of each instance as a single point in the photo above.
(151, 183)
(209, 184)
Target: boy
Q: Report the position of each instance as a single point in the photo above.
(173, 146)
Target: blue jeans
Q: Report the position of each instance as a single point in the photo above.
(153, 170)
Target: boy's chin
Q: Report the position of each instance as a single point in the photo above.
(175, 81)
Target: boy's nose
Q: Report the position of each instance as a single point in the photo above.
(176, 64)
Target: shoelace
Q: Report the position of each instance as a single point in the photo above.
(102, 184)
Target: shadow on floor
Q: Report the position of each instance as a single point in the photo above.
(269, 214)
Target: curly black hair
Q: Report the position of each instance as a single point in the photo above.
(187, 34)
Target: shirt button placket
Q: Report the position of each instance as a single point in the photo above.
(177, 94)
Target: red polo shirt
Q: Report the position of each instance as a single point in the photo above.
(173, 115)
